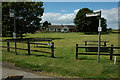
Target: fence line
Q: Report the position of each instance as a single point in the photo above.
(85, 47)
(29, 48)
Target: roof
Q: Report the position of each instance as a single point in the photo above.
(55, 26)
(61, 26)
(70, 26)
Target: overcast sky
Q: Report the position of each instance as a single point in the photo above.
(62, 13)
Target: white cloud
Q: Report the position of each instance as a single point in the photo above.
(76, 11)
(112, 17)
(58, 18)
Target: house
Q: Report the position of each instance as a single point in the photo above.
(61, 28)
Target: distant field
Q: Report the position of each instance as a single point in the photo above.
(65, 64)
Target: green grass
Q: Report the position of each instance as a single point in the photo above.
(65, 64)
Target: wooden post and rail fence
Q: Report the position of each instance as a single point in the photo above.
(110, 50)
(51, 46)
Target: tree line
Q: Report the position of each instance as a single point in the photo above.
(28, 16)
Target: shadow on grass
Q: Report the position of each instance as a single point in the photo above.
(48, 56)
(47, 38)
(32, 39)
(85, 59)
(40, 55)
(59, 57)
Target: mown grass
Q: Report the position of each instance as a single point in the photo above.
(65, 64)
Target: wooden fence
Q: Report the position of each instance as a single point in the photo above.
(111, 50)
(39, 39)
(51, 46)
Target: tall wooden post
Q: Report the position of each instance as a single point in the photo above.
(8, 46)
(28, 47)
(76, 51)
(111, 52)
(52, 49)
(99, 37)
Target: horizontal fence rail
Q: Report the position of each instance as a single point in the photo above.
(97, 47)
(110, 50)
(88, 42)
(45, 40)
(51, 46)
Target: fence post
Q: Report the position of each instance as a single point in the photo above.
(28, 47)
(52, 49)
(8, 46)
(76, 51)
(111, 52)
(15, 47)
(34, 42)
(85, 43)
(104, 44)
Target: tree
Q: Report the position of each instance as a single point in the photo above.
(45, 24)
(104, 25)
(28, 17)
(88, 24)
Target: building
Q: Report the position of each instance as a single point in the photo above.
(61, 28)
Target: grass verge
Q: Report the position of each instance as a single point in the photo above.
(65, 64)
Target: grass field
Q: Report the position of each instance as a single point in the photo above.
(65, 64)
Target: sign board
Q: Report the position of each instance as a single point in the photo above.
(99, 29)
(92, 14)
(11, 14)
(14, 35)
(49, 44)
